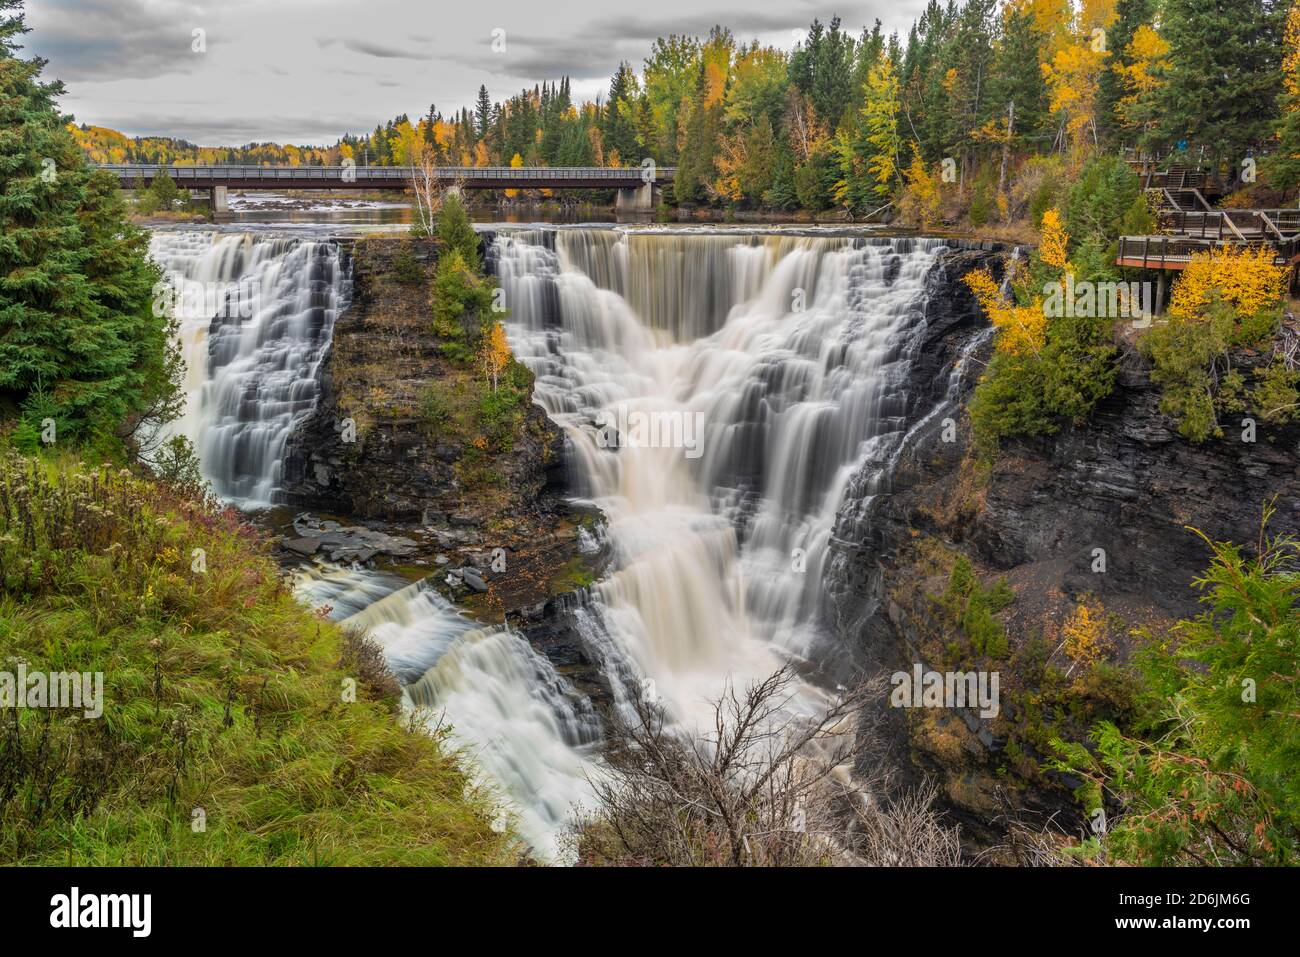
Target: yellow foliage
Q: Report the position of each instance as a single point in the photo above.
(1051, 247)
(1022, 330)
(1073, 78)
(922, 191)
(1147, 54)
(880, 112)
(516, 161)
(496, 353)
(1246, 277)
(1085, 636)
(1291, 52)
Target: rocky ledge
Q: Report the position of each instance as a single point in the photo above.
(498, 537)
(1098, 512)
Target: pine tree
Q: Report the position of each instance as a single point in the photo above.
(455, 232)
(80, 341)
(1223, 75)
(483, 112)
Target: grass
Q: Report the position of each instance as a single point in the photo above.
(225, 701)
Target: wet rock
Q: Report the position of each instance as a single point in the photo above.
(301, 546)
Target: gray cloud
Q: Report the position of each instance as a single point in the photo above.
(381, 50)
(306, 71)
(121, 38)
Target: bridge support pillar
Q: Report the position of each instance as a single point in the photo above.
(641, 199)
(220, 204)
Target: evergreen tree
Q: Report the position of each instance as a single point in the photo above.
(1223, 75)
(1017, 78)
(80, 342)
(823, 70)
(618, 122)
(1211, 780)
(455, 232)
(483, 112)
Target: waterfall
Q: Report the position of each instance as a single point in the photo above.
(788, 354)
(521, 723)
(719, 392)
(256, 314)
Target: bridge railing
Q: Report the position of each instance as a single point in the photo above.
(215, 174)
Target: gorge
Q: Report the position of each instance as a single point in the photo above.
(820, 370)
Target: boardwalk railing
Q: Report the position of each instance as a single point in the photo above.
(1174, 252)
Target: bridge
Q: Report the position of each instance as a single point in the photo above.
(637, 187)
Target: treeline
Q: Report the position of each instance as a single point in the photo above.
(850, 120)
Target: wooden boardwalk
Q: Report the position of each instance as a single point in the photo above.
(1189, 224)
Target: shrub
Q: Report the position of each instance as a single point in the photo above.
(1209, 776)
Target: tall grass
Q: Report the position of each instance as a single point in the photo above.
(225, 701)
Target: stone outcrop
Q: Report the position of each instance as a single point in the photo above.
(367, 450)
(1100, 511)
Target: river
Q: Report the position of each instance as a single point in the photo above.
(753, 371)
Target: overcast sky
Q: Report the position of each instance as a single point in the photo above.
(307, 71)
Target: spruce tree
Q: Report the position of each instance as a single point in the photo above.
(80, 343)
(1223, 77)
(455, 232)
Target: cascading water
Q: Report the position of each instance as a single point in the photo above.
(788, 353)
(718, 392)
(256, 313)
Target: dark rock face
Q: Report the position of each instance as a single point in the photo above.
(366, 450)
(1125, 482)
(1125, 487)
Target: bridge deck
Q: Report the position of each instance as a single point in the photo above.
(390, 177)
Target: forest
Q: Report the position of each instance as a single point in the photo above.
(855, 120)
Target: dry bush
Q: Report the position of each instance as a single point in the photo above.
(762, 787)
(362, 658)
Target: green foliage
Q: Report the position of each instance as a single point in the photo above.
(461, 298)
(176, 465)
(220, 692)
(983, 202)
(1277, 393)
(455, 232)
(1189, 361)
(815, 179)
(406, 268)
(971, 607)
(79, 340)
(1211, 777)
(1105, 202)
(165, 192)
(1221, 86)
(1036, 395)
